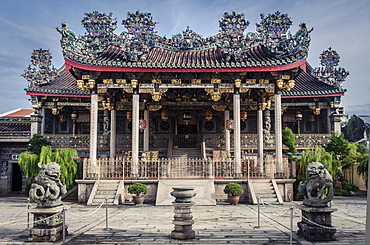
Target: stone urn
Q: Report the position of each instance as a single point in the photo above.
(183, 194)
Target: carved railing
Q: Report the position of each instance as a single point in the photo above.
(248, 141)
(180, 168)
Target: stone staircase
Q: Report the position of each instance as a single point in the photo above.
(186, 153)
(111, 189)
(266, 189)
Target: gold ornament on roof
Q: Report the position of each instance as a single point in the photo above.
(154, 107)
(219, 107)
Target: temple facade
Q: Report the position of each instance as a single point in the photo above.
(134, 103)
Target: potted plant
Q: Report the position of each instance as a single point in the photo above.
(138, 190)
(233, 190)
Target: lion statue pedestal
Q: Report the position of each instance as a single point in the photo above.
(316, 224)
(47, 192)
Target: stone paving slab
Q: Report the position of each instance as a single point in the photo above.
(220, 224)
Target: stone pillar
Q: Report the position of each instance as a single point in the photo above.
(146, 131)
(36, 120)
(227, 132)
(93, 131)
(278, 136)
(42, 114)
(260, 140)
(328, 120)
(237, 142)
(337, 118)
(183, 219)
(135, 135)
(113, 122)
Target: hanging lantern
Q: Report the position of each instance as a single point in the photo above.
(62, 118)
(74, 115)
(298, 116)
(209, 115)
(142, 124)
(230, 124)
(243, 115)
(164, 115)
(129, 115)
(312, 118)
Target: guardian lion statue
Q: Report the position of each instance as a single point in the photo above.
(47, 190)
(313, 189)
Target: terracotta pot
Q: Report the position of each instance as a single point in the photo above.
(233, 200)
(138, 200)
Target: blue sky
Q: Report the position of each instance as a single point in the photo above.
(344, 25)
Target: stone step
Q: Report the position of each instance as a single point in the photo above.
(106, 192)
(97, 201)
(104, 196)
(107, 188)
(264, 191)
(269, 200)
(273, 195)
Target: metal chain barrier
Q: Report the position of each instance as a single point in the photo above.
(26, 223)
(14, 222)
(85, 215)
(314, 223)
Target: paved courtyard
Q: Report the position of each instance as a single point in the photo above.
(149, 224)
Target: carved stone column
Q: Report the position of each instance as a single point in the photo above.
(237, 141)
(260, 140)
(135, 135)
(93, 131)
(113, 122)
(227, 132)
(146, 131)
(278, 136)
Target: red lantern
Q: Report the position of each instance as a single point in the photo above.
(164, 115)
(229, 124)
(142, 124)
(243, 115)
(129, 115)
(209, 115)
(312, 118)
(62, 118)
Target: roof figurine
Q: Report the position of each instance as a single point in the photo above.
(330, 74)
(140, 46)
(40, 71)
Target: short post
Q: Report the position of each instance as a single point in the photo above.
(258, 213)
(64, 225)
(291, 225)
(106, 215)
(28, 214)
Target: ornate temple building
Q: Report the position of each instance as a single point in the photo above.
(132, 103)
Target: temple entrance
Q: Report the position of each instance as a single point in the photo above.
(16, 177)
(187, 129)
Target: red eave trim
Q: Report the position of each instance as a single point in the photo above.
(312, 96)
(58, 95)
(70, 63)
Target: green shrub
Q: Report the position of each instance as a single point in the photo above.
(341, 193)
(233, 189)
(138, 189)
(349, 187)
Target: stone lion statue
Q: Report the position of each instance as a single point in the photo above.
(47, 190)
(313, 189)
